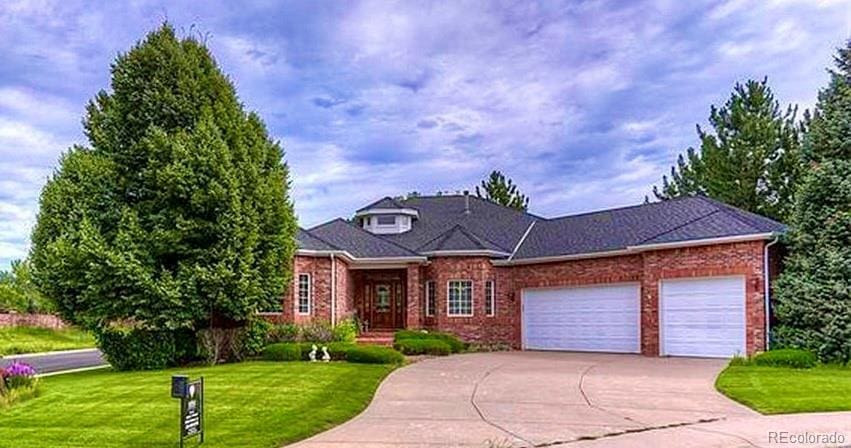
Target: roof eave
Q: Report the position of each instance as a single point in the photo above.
(357, 260)
(630, 250)
(466, 253)
(387, 211)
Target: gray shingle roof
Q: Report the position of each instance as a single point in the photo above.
(357, 241)
(676, 220)
(500, 226)
(307, 241)
(385, 202)
(459, 239)
(443, 225)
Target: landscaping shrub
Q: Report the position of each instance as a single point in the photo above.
(346, 331)
(787, 357)
(455, 344)
(136, 348)
(317, 332)
(337, 350)
(283, 333)
(373, 354)
(252, 338)
(283, 351)
(422, 347)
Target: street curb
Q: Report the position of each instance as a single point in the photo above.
(57, 352)
(81, 369)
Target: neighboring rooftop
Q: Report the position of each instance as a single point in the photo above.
(455, 223)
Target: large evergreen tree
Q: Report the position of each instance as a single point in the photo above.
(497, 188)
(749, 160)
(813, 294)
(177, 213)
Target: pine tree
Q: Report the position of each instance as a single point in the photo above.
(177, 212)
(502, 191)
(813, 293)
(749, 160)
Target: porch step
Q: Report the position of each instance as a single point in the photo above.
(376, 338)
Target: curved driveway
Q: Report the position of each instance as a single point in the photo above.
(523, 399)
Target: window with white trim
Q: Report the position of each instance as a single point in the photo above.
(386, 220)
(430, 298)
(304, 294)
(460, 298)
(490, 298)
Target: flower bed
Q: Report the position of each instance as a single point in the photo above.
(17, 382)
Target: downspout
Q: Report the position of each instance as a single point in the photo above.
(767, 278)
(333, 290)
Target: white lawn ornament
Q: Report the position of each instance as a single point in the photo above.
(313, 353)
(325, 356)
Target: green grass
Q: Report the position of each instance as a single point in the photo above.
(782, 390)
(250, 404)
(16, 340)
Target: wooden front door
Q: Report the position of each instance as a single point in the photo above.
(385, 303)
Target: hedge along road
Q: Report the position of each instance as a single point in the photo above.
(58, 361)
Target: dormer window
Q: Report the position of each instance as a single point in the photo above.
(387, 217)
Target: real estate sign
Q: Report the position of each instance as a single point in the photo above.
(191, 394)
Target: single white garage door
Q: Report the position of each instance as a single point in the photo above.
(703, 317)
(593, 318)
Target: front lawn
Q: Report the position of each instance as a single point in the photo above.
(250, 404)
(781, 390)
(17, 340)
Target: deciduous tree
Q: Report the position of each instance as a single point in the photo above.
(177, 212)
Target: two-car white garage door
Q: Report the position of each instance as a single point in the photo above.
(592, 318)
(698, 317)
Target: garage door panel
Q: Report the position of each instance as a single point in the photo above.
(703, 317)
(598, 318)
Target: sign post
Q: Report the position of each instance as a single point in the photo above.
(191, 394)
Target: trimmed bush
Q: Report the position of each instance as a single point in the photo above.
(337, 350)
(434, 347)
(136, 348)
(283, 333)
(346, 331)
(455, 344)
(283, 351)
(787, 357)
(319, 332)
(373, 354)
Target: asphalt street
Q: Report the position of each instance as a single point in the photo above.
(54, 362)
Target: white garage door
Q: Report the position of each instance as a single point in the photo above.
(594, 318)
(703, 317)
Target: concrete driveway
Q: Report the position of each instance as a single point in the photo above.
(537, 399)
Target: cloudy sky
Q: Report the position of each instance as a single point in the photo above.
(583, 104)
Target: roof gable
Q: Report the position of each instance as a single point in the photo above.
(459, 239)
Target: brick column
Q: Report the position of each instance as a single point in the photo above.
(413, 316)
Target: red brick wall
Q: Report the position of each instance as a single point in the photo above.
(31, 320)
(319, 269)
(498, 328)
(647, 268)
(704, 261)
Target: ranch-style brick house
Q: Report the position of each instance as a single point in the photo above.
(685, 277)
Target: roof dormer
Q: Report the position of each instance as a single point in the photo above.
(386, 216)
